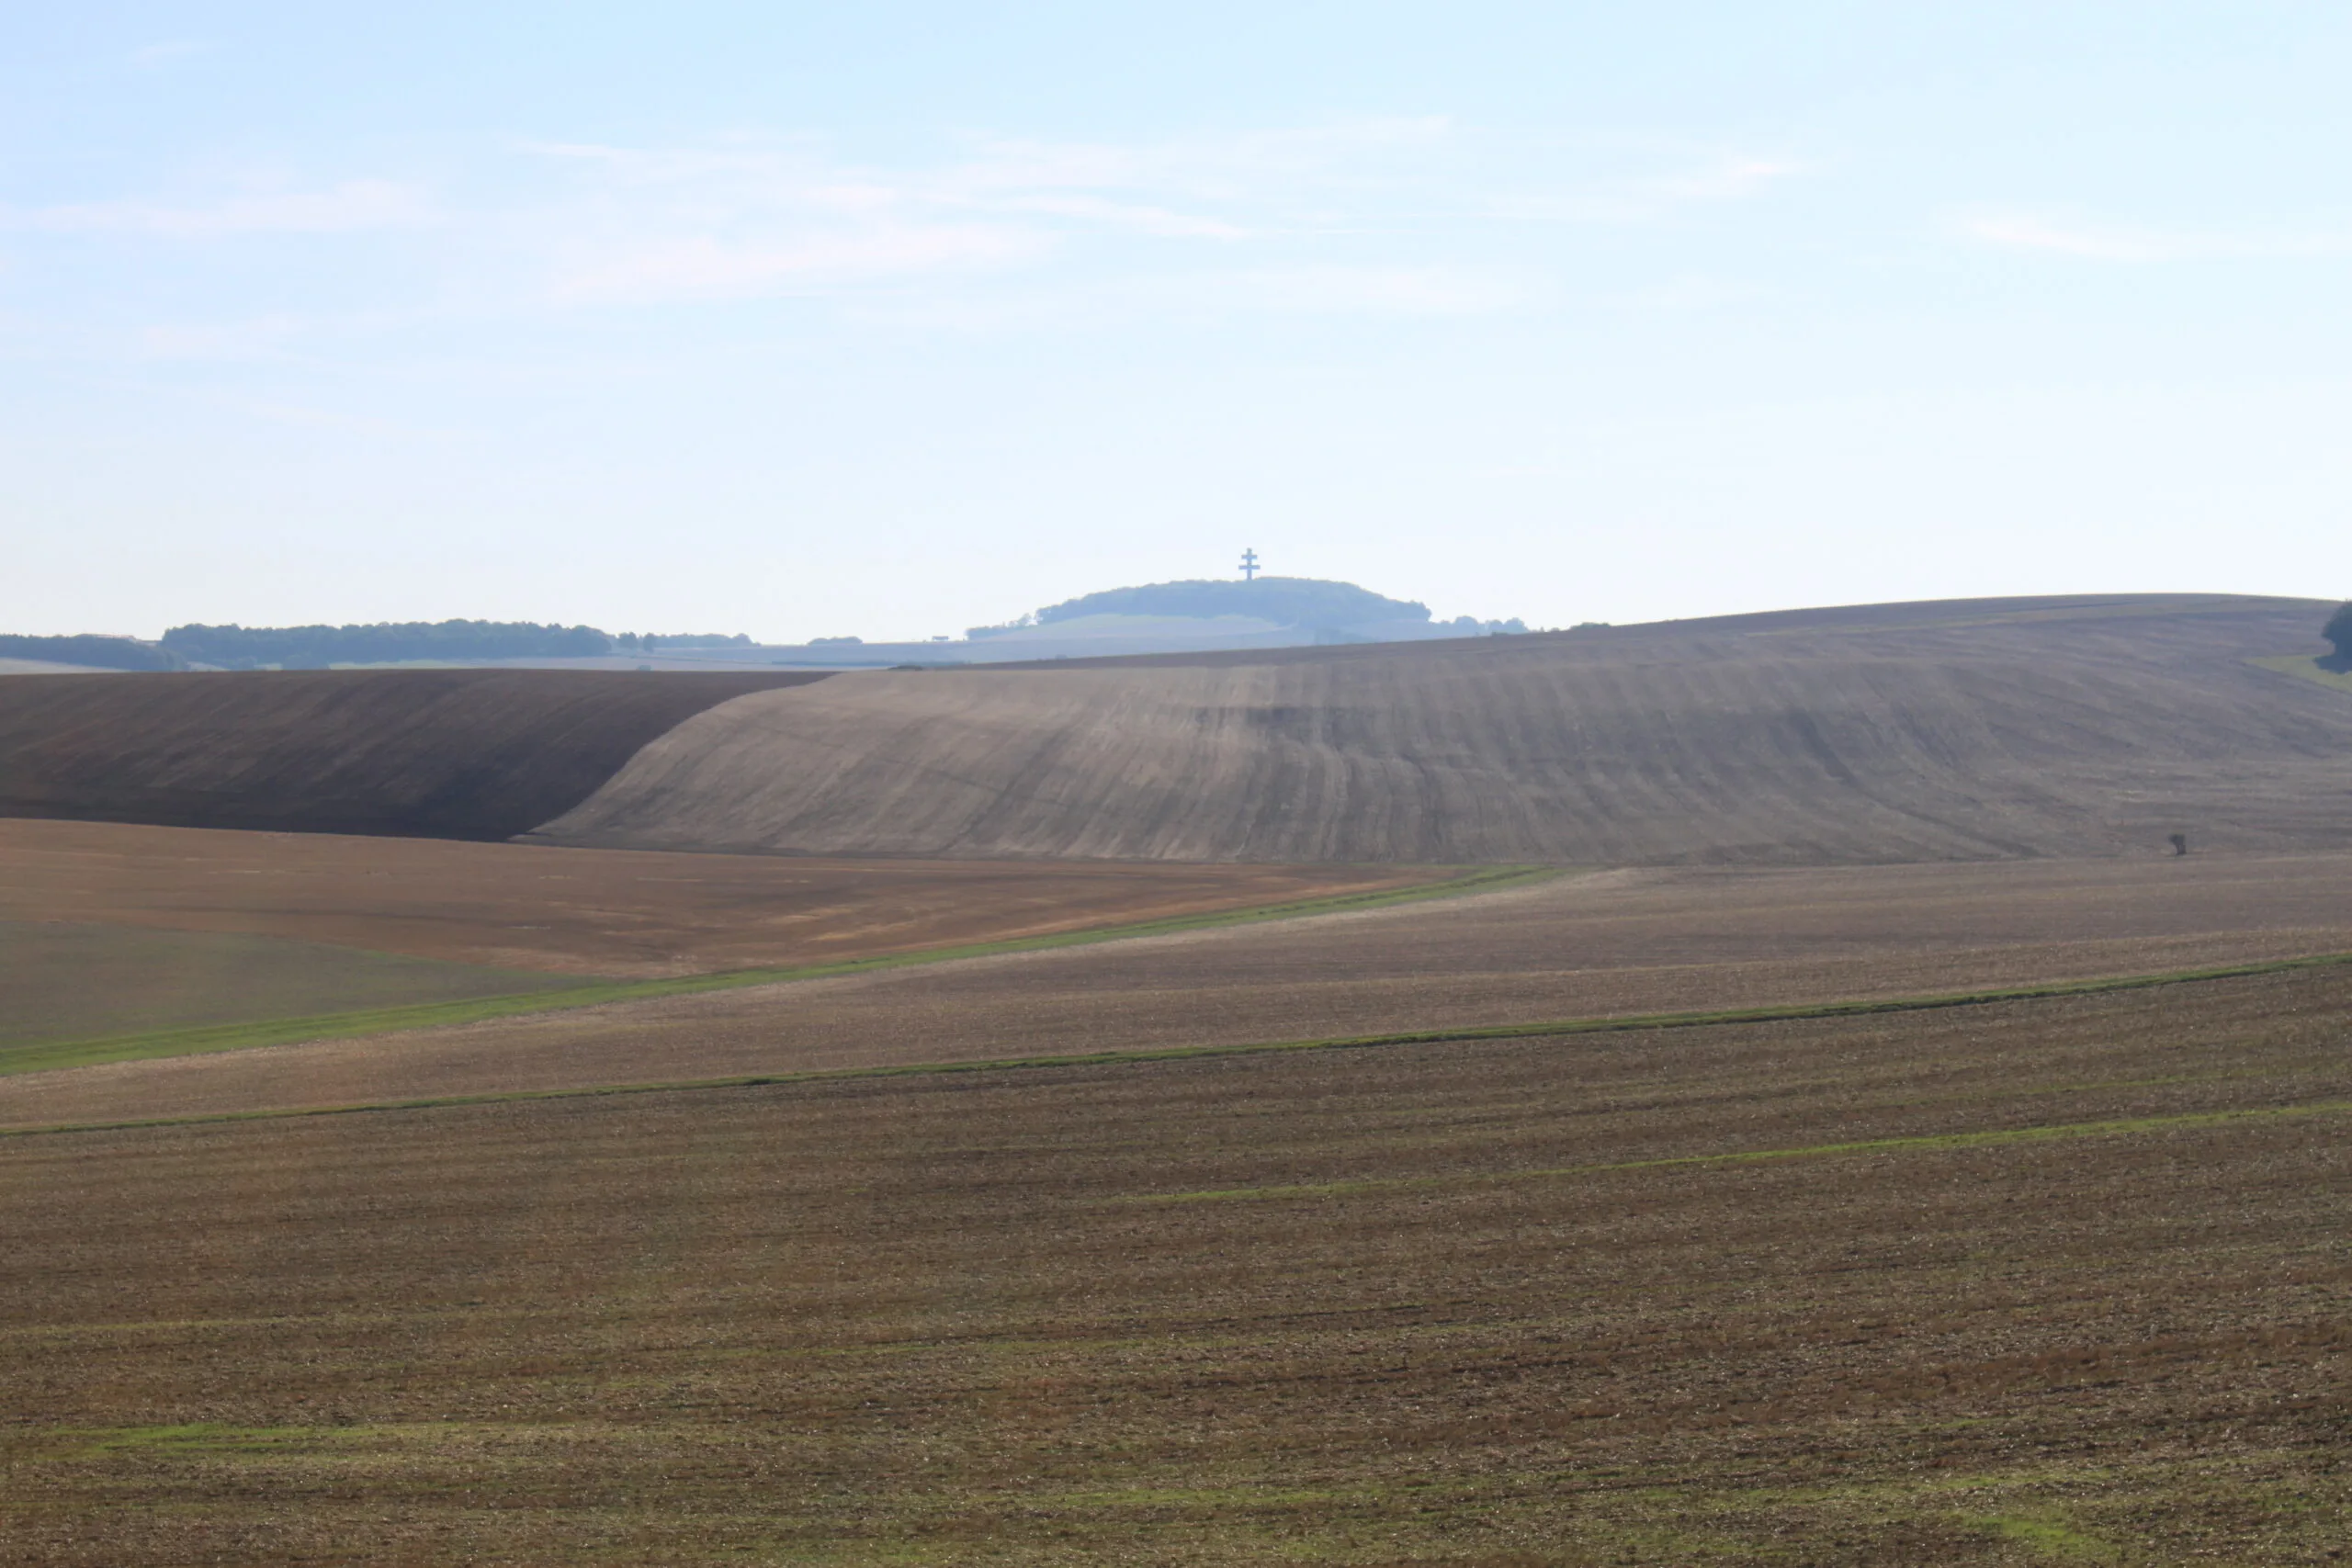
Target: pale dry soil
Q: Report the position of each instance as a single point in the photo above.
(1614, 943)
(615, 913)
(1790, 1294)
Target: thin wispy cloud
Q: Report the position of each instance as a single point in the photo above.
(708, 267)
(748, 217)
(2110, 242)
(1676, 179)
(349, 207)
(167, 52)
(1405, 217)
(1342, 290)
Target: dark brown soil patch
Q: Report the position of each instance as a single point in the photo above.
(435, 753)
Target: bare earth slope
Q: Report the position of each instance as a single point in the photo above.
(1966, 729)
(442, 753)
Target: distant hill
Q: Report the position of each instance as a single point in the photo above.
(1309, 603)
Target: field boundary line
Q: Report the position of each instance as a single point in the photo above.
(207, 1039)
(1985, 1138)
(1556, 1028)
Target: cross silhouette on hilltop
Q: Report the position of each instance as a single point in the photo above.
(1249, 566)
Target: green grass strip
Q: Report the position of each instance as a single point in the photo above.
(2306, 667)
(1538, 1030)
(207, 1038)
(1989, 1139)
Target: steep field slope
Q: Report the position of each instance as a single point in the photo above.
(443, 753)
(1963, 730)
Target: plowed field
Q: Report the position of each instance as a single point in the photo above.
(2053, 1280)
(445, 753)
(1612, 944)
(1981, 730)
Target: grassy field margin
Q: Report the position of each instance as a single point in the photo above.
(209, 1038)
(1561, 1028)
(2306, 667)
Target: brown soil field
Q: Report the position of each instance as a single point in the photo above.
(613, 913)
(1629, 941)
(1960, 731)
(2057, 1281)
(62, 981)
(443, 753)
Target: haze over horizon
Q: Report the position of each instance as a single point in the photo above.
(805, 322)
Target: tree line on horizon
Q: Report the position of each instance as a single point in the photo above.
(234, 646)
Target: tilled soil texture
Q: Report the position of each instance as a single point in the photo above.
(441, 753)
(1617, 943)
(608, 912)
(2059, 1280)
(1965, 730)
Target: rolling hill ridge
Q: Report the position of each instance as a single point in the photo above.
(1960, 731)
(1946, 731)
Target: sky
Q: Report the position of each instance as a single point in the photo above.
(896, 319)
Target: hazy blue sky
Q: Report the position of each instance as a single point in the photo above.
(895, 318)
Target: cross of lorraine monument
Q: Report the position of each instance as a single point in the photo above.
(1249, 566)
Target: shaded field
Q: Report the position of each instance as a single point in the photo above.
(2038, 1280)
(443, 753)
(605, 912)
(63, 981)
(1961, 731)
(1633, 941)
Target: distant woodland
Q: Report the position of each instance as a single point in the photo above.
(394, 642)
(94, 651)
(391, 642)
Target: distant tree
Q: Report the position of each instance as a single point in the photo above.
(316, 648)
(2338, 631)
(92, 650)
